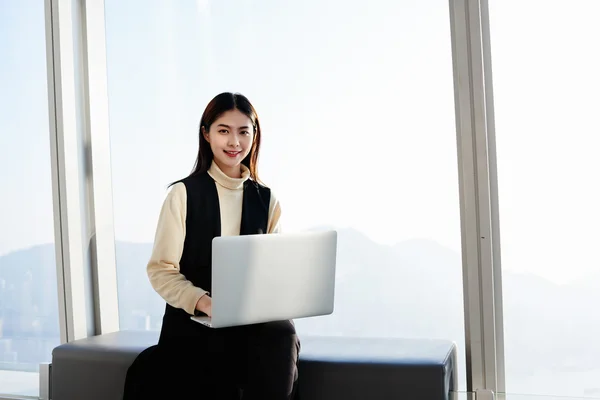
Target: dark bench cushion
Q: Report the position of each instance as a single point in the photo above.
(330, 367)
(352, 368)
(95, 368)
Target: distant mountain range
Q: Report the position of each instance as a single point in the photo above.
(412, 289)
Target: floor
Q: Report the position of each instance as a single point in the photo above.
(15, 383)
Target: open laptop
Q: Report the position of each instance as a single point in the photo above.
(263, 278)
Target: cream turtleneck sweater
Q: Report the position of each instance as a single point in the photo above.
(163, 267)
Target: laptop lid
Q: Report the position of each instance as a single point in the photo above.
(261, 278)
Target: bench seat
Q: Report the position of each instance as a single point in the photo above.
(331, 368)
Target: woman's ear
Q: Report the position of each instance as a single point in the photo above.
(204, 133)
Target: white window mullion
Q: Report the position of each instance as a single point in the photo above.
(478, 196)
(104, 262)
(65, 130)
(494, 200)
(81, 168)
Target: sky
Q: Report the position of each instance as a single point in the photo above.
(326, 165)
(26, 200)
(357, 111)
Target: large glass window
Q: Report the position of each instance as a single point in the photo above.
(356, 105)
(29, 327)
(546, 85)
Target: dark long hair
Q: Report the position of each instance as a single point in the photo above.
(220, 104)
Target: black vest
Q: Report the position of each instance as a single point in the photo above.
(203, 224)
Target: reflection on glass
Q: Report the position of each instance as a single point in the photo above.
(29, 327)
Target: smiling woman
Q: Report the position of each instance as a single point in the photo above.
(223, 200)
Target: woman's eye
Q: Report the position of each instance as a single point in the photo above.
(223, 131)
(245, 133)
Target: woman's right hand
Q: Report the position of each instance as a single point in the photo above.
(204, 305)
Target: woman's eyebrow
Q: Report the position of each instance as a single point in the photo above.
(229, 127)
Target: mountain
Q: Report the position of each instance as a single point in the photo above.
(412, 289)
(28, 291)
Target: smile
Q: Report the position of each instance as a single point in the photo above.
(232, 153)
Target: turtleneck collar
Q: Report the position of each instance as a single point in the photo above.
(226, 181)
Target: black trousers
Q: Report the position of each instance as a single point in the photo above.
(249, 362)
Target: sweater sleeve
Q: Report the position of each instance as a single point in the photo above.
(163, 268)
(274, 222)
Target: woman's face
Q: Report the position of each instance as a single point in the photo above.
(230, 138)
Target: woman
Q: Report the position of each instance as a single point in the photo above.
(222, 196)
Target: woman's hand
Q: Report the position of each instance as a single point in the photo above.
(204, 305)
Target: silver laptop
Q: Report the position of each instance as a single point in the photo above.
(262, 278)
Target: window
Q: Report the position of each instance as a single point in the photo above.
(546, 86)
(29, 327)
(357, 107)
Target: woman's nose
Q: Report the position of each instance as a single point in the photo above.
(233, 141)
